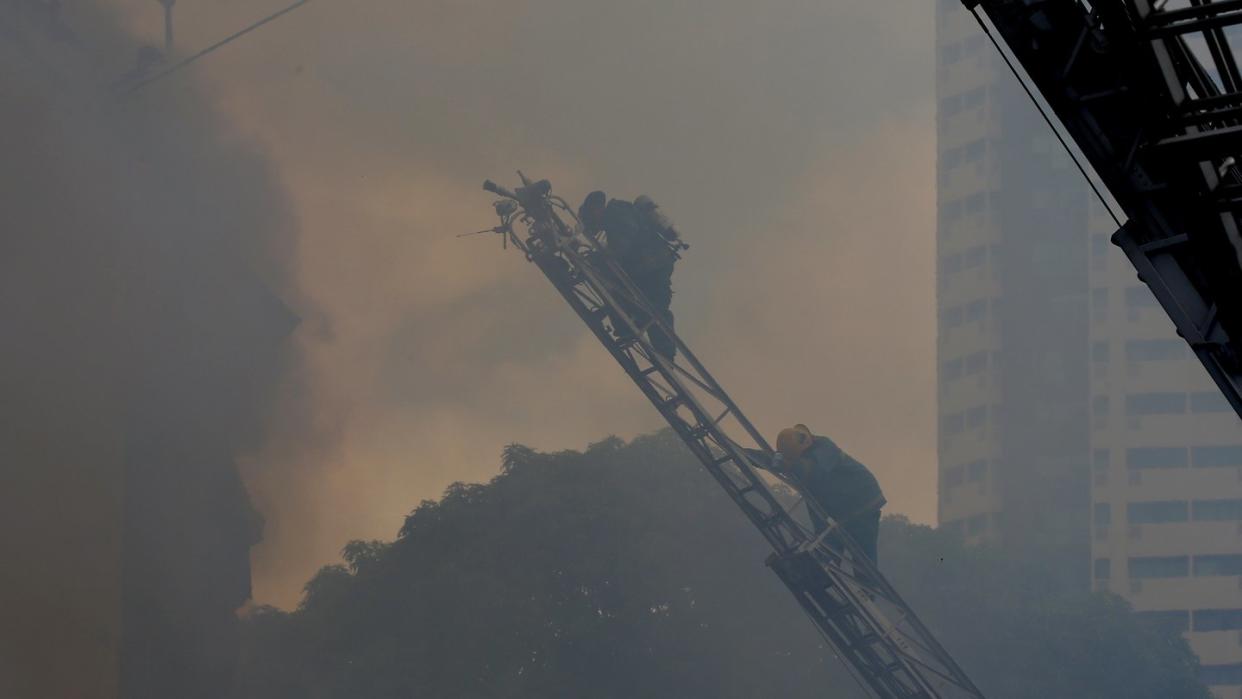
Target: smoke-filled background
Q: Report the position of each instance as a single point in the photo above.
(791, 142)
(146, 267)
(300, 190)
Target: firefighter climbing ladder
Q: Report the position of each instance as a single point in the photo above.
(884, 645)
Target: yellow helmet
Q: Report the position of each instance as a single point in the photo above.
(793, 442)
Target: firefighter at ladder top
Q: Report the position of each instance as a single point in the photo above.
(645, 245)
(843, 487)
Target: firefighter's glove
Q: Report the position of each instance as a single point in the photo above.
(778, 462)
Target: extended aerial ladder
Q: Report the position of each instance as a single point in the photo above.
(888, 650)
(1151, 93)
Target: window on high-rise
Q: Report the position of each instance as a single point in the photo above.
(951, 210)
(1155, 350)
(1099, 251)
(1217, 619)
(954, 476)
(1156, 457)
(1217, 565)
(976, 417)
(974, 257)
(1155, 403)
(1217, 510)
(1099, 244)
(950, 54)
(1209, 402)
(952, 369)
(1157, 512)
(949, 159)
(975, 97)
(953, 423)
(1103, 569)
(1140, 297)
(1149, 567)
(975, 203)
(959, 155)
(1099, 303)
(951, 317)
(976, 311)
(1103, 514)
(1099, 406)
(1041, 144)
(974, 151)
(1177, 621)
(976, 470)
(1217, 675)
(950, 105)
(975, 363)
(1217, 457)
(1099, 351)
(1100, 465)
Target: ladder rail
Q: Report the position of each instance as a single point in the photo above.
(701, 376)
(719, 392)
(884, 645)
(783, 533)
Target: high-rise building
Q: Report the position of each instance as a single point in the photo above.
(1074, 423)
(1012, 298)
(1167, 470)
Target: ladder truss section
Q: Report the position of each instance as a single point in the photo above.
(884, 645)
(1151, 93)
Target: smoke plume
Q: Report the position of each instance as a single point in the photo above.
(792, 143)
(145, 306)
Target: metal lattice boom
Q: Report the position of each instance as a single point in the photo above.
(883, 643)
(1151, 94)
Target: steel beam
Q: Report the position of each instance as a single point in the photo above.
(1167, 162)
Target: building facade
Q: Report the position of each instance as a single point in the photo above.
(1075, 425)
(1166, 470)
(1012, 298)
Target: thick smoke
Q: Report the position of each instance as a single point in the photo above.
(792, 142)
(143, 301)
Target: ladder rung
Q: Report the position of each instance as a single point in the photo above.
(868, 638)
(894, 668)
(776, 516)
(838, 611)
(857, 636)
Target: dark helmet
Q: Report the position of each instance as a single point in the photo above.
(591, 213)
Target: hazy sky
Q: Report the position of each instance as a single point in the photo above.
(791, 141)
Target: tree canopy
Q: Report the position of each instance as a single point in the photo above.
(624, 571)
